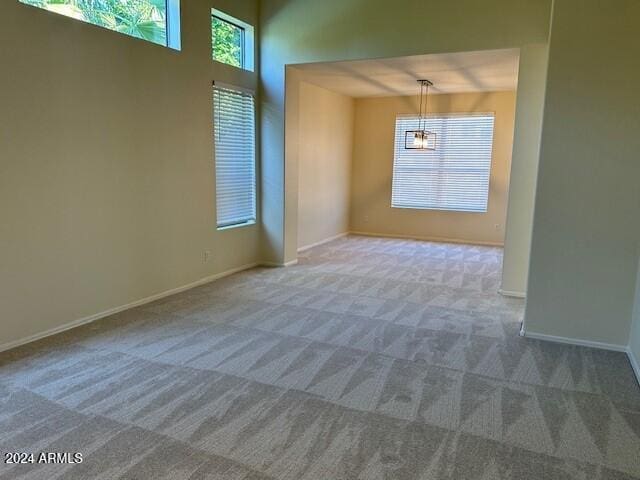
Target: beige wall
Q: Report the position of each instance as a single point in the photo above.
(107, 187)
(586, 231)
(524, 168)
(371, 210)
(325, 148)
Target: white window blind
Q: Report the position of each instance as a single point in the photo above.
(234, 136)
(453, 177)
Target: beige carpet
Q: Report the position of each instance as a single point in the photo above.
(371, 359)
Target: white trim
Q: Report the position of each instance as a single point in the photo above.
(271, 264)
(322, 242)
(510, 293)
(122, 308)
(174, 36)
(429, 239)
(573, 341)
(446, 114)
(279, 265)
(635, 363)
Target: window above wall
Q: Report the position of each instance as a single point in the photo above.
(232, 41)
(453, 177)
(156, 21)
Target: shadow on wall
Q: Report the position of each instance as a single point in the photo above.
(351, 23)
(347, 70)
(352, 73)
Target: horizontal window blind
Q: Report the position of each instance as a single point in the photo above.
(453, 177)
(234, 136)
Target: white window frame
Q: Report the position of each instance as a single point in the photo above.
(248, 39)
(174, 21)
(436, 166)
(252, 93)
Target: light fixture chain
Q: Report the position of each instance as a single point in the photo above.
(426, 103)
(422, 111)
(422, 139)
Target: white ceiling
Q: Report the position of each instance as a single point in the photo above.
(484, 71)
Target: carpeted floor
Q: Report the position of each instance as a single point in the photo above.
(371, 359)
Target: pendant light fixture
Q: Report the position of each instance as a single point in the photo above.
(421, 139)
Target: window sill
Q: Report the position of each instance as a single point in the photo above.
(238, 225)
(435, 209)
(242, 69)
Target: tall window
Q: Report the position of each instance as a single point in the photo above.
(156, 21)
(232, 41)
(234, 136)
(453, 177)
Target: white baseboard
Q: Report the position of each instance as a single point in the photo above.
(428, 239)
(122, 308)
(279, 265)
(510, 293)
(322, 242)
(635, 363)
(573, 341)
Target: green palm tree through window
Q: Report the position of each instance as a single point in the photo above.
(144, 19)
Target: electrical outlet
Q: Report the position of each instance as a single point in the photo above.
(207, 256)
(497, 225)
(366, 219)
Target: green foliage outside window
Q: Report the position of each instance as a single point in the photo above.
(226, 42)
(144, 19)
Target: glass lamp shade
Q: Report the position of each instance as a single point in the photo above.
(419, 140)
